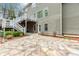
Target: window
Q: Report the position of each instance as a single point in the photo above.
(40, 14)
(46, 12)
(39, 27)
(46, 27)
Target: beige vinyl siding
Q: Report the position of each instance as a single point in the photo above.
(71, 18)
(53, 18)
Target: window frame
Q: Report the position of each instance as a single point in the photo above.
(39, 27)
(46, 12)
(46, 27)
(40, 14)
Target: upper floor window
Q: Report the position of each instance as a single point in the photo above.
(46, 27)
(40, 14)
(46, 12)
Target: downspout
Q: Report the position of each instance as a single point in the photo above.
(62, 20)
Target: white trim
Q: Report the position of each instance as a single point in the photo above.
(46, 8)
(44, 11)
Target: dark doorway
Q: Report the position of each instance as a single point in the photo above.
(31, 26)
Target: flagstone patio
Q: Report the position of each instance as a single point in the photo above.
(37, 45)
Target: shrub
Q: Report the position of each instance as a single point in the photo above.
(10, 34)
(1, 33)
(16, 34)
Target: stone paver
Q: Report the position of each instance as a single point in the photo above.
(37, 45)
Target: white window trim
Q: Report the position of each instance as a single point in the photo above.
(42, 16)
(46, 8)
(44, 11)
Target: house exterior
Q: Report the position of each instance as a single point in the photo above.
(59, 18)
(49, 18)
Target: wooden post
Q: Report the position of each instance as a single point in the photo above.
(25, 26)
(3, 26)
(13, 24)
